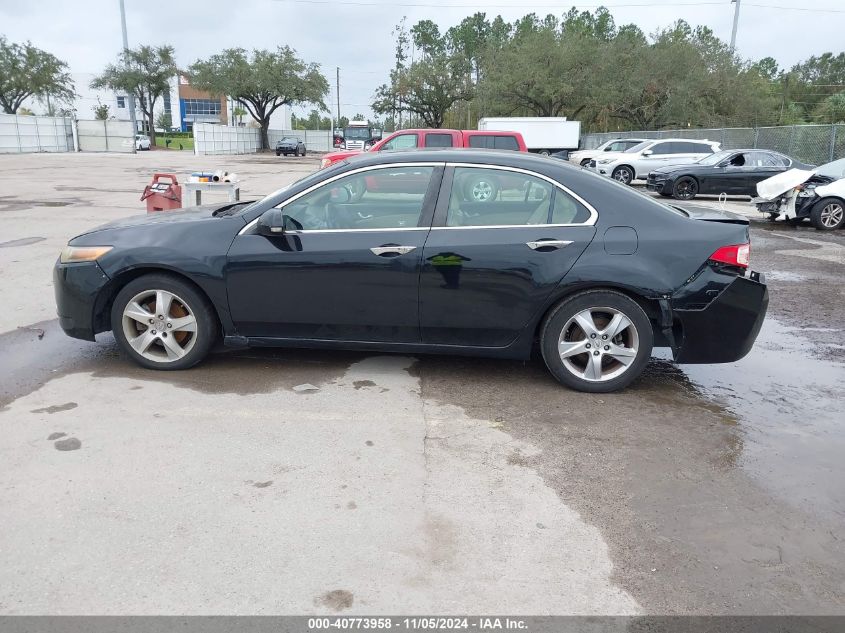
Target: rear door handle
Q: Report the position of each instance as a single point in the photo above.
(553, 244)
(391, 251)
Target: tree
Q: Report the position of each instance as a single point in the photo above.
(27, 71)
(430, 88)
(262, 81)
(101, 111)
(146, 72)
(239, 112)
(164, 121)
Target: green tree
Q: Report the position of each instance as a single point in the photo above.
(832, 109)
(239, 112)
(146, 72)
(27, 71)
(262, 81)
(164, 121)
(101, 111)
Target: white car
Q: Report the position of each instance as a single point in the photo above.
(637, 161)
(584, 156)
(142, 142)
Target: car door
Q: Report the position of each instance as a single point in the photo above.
(348, 268)
(654, 157)
(729, 174)
(759, 165)
(489, 266)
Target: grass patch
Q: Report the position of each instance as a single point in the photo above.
(186, 143)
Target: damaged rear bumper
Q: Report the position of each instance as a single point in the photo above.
(725, 330)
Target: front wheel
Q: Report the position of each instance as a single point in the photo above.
(162, 322)
(686, 188)
(828, 214)
(597, 341)
(623, 174)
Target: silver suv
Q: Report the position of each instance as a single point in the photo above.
(637, 161)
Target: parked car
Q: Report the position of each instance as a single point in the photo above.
(594, 272)
(800, 194)
(637, 161)
(584, 156)
(411, 139)
(142, 142)
(734, 172)
(290, 145)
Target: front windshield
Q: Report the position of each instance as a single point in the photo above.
(835, 170)
(715, 159)
(637, 147)
(360, 133)
(289, 139)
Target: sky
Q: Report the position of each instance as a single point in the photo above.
(356, 34)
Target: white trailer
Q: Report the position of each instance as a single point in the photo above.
(544, 135)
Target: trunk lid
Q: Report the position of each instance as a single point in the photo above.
(708, 214)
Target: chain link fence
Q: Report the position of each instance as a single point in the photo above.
(813, 144)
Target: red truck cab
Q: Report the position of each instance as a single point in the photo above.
(410, 139)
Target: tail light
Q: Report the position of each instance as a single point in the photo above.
(733, 255)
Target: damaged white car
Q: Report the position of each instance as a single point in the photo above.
(798, 194)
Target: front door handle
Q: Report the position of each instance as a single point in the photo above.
(553, 244)
(391, 250)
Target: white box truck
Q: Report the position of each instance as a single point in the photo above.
(543, 135)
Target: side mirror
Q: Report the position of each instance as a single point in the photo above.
(647, 152)
(340, 195)
(274, 223)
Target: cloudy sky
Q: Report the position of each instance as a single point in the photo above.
(356, 34)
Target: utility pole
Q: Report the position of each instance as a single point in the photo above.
(736, 23)
(337, 88)
(131, 93)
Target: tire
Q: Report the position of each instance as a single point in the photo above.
(623, 174)
(303, 152)
(544, 152)
(173, 342)
(480, 189)
(578, 370)
(685, 188)
(828, 214)
(278, 153)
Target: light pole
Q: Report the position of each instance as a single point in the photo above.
(736, 23)
(131, 93)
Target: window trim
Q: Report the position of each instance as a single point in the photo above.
(247, 229)
(439, 223)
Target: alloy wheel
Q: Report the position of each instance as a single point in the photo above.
(482, 191)
(686, 189)
(159, 325)
(623, 175)
(831, 215)
(598, 344)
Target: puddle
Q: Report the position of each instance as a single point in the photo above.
(789, 404)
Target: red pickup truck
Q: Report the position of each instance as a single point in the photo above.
(410, 139)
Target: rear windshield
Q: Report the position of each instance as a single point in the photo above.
(493, 141)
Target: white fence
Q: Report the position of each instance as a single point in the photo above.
(19, 134)
(105, 136)
(210, 138)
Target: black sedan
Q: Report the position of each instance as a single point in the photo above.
(734, 172)
(290, 145)
(385, 251)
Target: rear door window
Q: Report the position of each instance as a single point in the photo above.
(698, 148)
(438, 140)
(498, 197)
(664, 148)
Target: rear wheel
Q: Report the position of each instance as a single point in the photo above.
(623, 174)
(162, 322)
(544, 152)
(828, 214)
(685, 188)
(597, 341)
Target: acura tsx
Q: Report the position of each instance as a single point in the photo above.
(392, 251)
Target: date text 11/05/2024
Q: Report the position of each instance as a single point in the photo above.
(418, 623)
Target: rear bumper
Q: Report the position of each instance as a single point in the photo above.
(725, 330)
(77, 287)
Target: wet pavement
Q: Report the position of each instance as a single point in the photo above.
(430, 483)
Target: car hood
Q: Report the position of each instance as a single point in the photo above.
(781, 183)
(191, 214)
(672, 169)
(287, 143)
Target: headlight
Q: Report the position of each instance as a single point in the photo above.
(73, 254)
(605, 161)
